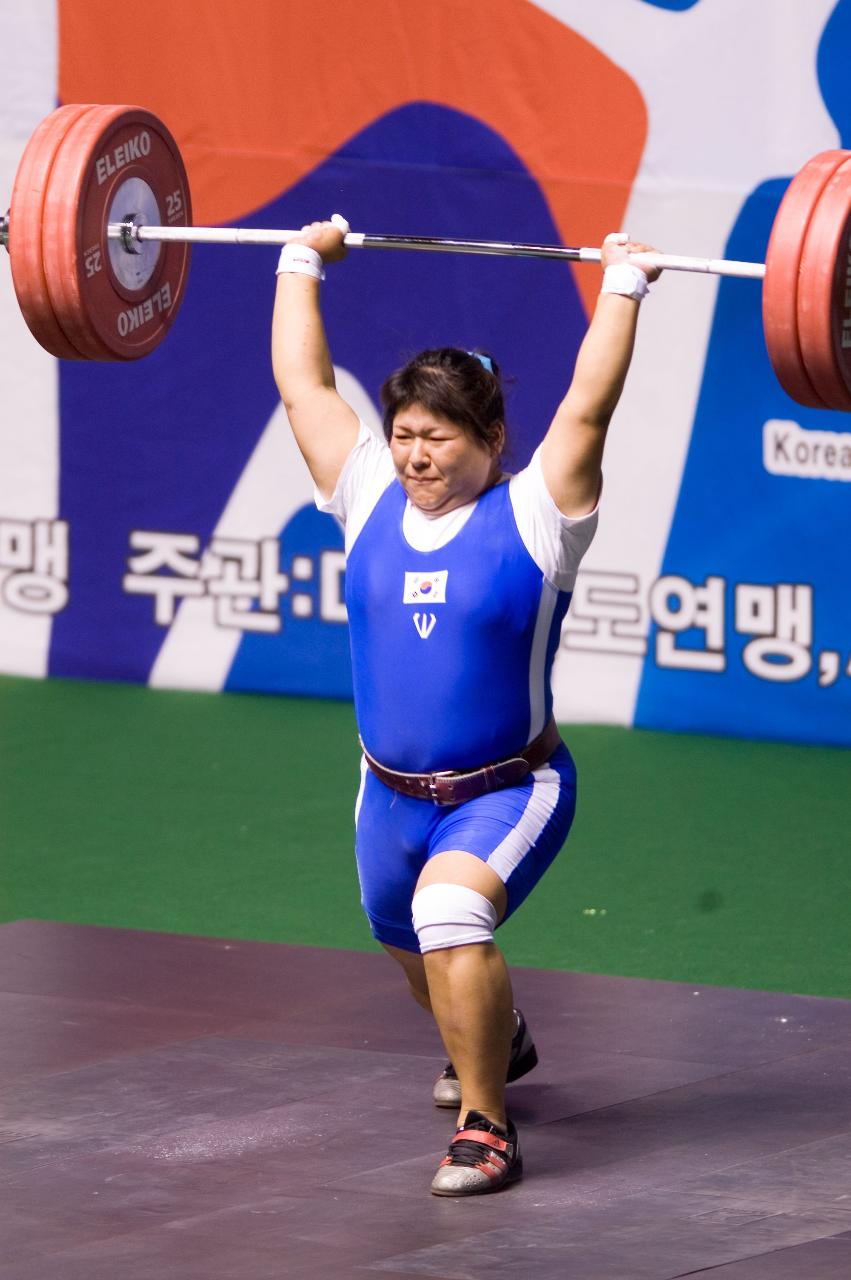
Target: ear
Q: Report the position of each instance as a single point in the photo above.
(497, 443)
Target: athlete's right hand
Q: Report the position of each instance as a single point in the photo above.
(326, 238)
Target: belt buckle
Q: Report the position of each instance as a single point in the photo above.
(433, 779)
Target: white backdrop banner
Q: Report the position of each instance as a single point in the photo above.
(156, 521)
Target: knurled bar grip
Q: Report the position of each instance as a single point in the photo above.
(435, 244)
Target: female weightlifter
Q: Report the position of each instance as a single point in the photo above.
(458, 578)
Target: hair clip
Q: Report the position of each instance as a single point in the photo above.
(485, 361)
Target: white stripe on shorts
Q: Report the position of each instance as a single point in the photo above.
(543, 798)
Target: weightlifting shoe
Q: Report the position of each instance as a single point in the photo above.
(524, 1056)
(482, 1157)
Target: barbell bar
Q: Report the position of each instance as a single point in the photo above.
(130, 232)
(99, 234)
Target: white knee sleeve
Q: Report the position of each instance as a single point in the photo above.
(450, 915)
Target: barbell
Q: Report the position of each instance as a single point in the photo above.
(99, 237)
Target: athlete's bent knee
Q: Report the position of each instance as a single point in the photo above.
(451, 915)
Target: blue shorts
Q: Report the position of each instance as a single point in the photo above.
(517, 831)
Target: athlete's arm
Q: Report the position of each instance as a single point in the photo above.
(325, 427)
(572, 450)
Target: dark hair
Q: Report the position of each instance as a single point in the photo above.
(452, 384)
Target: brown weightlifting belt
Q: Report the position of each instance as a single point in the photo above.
(451, 787)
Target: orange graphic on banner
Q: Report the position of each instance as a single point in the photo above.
(258, 93)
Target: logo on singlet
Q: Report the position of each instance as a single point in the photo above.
(424, 624)
(425, 588)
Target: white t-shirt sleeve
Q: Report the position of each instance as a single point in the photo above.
(365, 475)
(555, 542)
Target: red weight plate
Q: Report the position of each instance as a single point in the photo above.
(25, 230)
(114, 162)
(824, 293)
(782, 262)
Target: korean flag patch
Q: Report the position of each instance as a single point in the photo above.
(425, 588)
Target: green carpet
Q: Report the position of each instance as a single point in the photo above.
(696, 859)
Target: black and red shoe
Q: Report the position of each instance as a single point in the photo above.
(482, 1157)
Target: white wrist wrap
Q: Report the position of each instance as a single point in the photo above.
(301, 259)
(624, 278)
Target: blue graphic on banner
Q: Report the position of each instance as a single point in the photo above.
(832, 63)
(157, 445)
(770, 653)
(160, 445)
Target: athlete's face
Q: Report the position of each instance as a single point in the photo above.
(439, 464)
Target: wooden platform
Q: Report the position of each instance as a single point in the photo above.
(194, 1108)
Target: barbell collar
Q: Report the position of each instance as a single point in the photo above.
(130, 231)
